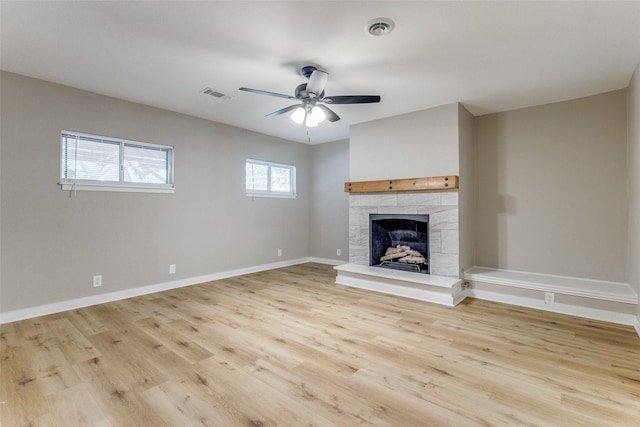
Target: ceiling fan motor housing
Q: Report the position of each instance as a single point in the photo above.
(301, 92)
(308, 70)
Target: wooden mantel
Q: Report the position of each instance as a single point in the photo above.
(431, 183)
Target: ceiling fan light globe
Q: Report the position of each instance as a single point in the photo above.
(310, 123)
(317, 114)
(298, 115)
(314, 117)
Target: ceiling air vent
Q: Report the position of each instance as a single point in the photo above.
(214, 93)
(380, 26)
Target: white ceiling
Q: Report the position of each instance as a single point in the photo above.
(490, 56)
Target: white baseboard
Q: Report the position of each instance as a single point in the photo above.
(593, 299)
(570, 309)
(42, 310)
(57, 307)
(327, 261)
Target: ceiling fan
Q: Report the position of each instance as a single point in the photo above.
(312, 109)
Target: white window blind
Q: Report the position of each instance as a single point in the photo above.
(270, 179)
(99, 163)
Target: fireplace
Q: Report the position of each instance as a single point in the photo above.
(442, 208)
(426, 217)
(399, 241)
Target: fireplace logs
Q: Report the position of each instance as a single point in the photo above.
(403, 254)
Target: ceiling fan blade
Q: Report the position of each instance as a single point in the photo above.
(284, 110)
(351, 99)
(317, 81)
(331, 116)
(264, 92)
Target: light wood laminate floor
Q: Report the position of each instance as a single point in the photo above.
(289, 347)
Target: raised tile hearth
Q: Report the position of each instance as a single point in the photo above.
(425, 287)
(442, 285)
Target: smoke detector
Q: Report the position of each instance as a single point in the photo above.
(379, 26)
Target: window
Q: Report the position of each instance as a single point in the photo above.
(270, 179)
(90, 162)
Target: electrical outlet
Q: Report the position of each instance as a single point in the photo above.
(279, 252)
(338, 252)
(549, 297)
(97, 281)
(172, 269)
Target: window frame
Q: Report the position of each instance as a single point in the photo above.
(271, 193)
(121, 185)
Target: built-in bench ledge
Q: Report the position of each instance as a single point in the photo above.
(425, 287)
(596, 299)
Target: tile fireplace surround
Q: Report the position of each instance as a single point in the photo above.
(442, 207)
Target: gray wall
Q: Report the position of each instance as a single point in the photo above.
(550, 188)
(52, 244)
(466, 212)
(329, 203)
(541, 178)
(633, 125)
(413, 145)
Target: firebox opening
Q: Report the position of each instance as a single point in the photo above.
(399, 242)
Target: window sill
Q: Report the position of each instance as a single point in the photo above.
(272, 195)
(118, 188)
